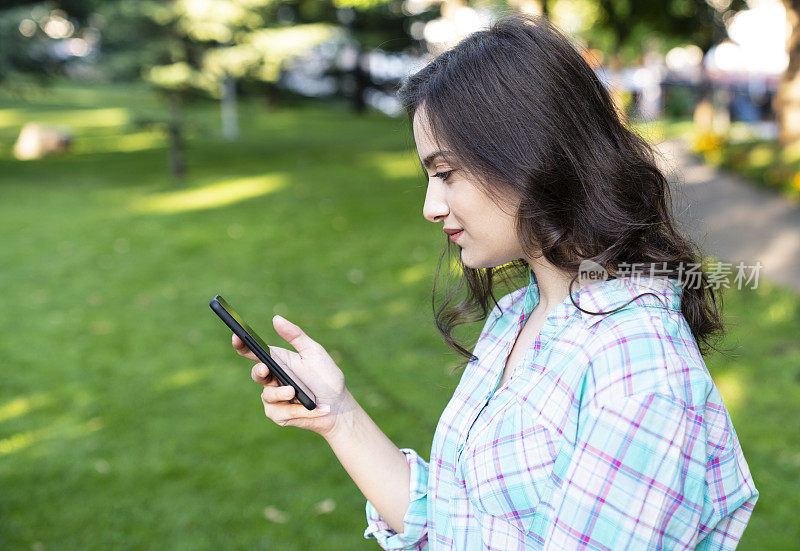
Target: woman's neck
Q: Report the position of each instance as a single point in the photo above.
(553, 283)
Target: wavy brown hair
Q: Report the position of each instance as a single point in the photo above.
(525, 116)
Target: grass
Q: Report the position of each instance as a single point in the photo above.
(128, 422)
(663, 129)
(764, 162)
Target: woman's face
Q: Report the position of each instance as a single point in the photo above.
(488, 238)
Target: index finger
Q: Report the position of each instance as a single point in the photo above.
(242, 348)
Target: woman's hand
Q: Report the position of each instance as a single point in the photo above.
(312, 365)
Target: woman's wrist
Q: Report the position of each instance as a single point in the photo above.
(346, 412)
(376, 465)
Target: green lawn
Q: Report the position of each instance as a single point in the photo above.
(126, 419)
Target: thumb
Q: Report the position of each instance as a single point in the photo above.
(293, 335)
(281, 355)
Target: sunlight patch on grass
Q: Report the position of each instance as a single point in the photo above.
(10, 117)
(182, 378)
(64, 428)
(347, 317)
(22, 405)
(414, 274)
(136, 141)
(77, 118)
(19, 441)
(397, 307)
(780, 312)
(731, 387)
(394, 164)
(209, 197)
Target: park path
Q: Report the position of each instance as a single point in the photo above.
(732, 218)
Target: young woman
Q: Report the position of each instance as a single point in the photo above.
(585, 416)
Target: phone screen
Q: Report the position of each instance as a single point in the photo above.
(232, 318)
(243, 323)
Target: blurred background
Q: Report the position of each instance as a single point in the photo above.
(154, 154)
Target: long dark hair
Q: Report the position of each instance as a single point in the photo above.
(525, 115)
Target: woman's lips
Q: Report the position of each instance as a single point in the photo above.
(455, 236)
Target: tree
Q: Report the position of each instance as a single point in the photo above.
(212, 47)
(624, 29)
(787, 100)
(189, 46)
(25, 40)
(621, 26)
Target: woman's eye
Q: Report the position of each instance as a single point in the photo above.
(443, 175)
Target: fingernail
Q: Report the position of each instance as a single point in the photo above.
(276, 316)
(322, 410)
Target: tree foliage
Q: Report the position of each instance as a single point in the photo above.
(192, 44)
(623, 27)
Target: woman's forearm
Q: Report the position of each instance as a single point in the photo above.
(375, 464)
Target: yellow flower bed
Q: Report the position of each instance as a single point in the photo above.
(707, 141)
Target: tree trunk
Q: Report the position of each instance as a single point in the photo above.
(362, 78)
(177, 164)
(787, 100)
(230, 117)
(271, 96)
(619, 24)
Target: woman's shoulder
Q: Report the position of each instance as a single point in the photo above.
(647, 380)
(645, 347)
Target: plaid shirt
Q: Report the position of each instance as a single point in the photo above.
(610, 434)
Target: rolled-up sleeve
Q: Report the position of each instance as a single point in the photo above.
(415, 522)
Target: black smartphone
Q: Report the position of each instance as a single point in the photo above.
(233, 320)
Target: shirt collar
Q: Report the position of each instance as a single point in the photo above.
(605, 296)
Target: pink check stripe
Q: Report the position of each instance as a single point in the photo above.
(610, 434)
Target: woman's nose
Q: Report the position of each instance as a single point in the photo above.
(435, 208)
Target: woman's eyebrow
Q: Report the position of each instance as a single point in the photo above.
(428, 161)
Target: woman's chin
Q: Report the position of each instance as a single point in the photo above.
(475, 264)
(470, 261)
